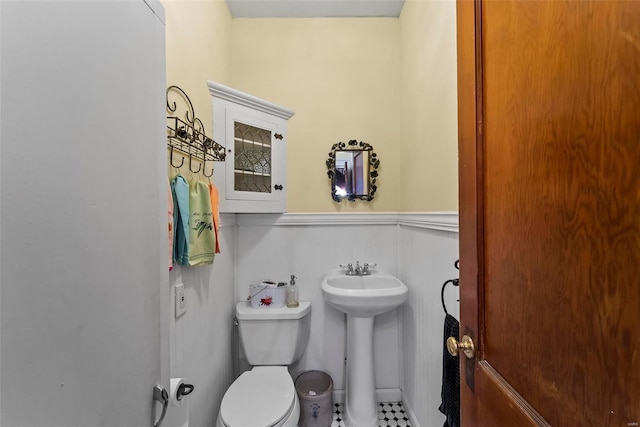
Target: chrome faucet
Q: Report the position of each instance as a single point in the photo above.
(349, 268)
(365, 268)
(358, 270)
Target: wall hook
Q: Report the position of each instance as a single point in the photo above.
(204, 169)
(190, 161)
(171, 160)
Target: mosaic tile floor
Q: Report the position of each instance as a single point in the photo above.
(390, 414)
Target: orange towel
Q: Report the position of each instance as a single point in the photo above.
(216, 213)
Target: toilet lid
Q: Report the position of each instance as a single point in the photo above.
(258, 398)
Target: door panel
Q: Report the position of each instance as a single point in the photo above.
(83, 248)
(550, 236)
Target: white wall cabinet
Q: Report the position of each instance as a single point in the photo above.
(252, 179)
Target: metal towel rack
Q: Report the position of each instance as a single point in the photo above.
(455, 282)
(187, 135)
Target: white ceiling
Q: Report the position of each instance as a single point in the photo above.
(314, 8)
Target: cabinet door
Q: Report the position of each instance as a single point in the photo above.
(255, 148)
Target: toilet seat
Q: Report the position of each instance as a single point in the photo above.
(262, 397)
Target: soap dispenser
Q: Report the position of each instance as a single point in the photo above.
(292, 295)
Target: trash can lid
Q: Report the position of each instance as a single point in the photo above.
(260, 397)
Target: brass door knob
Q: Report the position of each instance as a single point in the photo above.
(466, 345)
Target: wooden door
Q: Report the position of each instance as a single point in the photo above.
(549, 134)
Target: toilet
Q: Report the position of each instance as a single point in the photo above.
(272, 339)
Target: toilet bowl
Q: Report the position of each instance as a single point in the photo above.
(265, 396)
(262, 397)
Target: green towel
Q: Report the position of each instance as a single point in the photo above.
(202, 241)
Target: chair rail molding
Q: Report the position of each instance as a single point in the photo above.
(443, 221)
(227, 220)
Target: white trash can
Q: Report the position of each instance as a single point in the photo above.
(315, 389)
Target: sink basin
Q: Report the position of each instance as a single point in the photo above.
(363, 296)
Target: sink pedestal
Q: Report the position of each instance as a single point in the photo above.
(360, 388)
(362, 298)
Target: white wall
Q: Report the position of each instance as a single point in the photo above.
(84, 244)
(427, 250)
(202, 338)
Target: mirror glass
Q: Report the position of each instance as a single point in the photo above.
(352, 169)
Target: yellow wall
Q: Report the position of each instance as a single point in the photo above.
(388, 82)
(340, 75)
(197, 45)
(429, 115)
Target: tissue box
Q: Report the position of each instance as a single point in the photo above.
(267, 295)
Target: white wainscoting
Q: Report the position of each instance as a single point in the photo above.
(201, 340)
(420, 248)
(309, 245)
(427, 250)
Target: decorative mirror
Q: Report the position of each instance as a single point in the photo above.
(352, 169)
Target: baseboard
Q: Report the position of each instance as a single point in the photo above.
(338, 396)
(408, 410)
(388, 395)
(382, 395)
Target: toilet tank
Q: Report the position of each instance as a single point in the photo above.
(273, 336)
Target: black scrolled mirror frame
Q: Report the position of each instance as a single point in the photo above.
(353, 145)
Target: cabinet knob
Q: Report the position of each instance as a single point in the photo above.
(278, 187)
(277, 136)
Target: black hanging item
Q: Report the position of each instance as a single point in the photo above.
(450, 392)
(187, 136)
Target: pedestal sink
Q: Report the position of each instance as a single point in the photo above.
(361, 298)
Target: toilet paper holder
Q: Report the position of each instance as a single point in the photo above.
(179, 388)
(184, 390)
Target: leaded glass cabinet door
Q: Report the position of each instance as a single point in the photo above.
(252, 178)
(254, 157)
